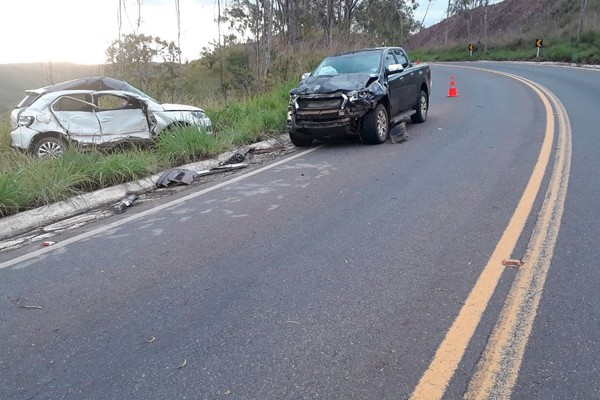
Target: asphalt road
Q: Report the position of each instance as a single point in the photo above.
(335, 274)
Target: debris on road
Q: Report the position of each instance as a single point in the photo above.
(183, 365)
(70, 223)
(236, 158)
(229, 167)
(121, 207)
(508, 262)
(48, 243)
(398, 133)
(150, 339)
(17, 302)
(176, 176)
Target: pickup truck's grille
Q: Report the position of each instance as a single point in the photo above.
(320, 104)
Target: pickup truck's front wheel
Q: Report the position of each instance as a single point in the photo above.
(300, 140)
(422, 107)
(375, 125)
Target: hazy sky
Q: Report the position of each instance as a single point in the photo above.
(80, 30)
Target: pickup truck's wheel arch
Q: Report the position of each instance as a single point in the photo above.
(421, 106)
(375, 125)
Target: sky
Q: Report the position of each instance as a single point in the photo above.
(79, 31)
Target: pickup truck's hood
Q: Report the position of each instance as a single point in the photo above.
(332, 84)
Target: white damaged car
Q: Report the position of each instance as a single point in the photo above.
(89, 118)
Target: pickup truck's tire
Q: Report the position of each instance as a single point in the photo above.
(300, 140)
(422, 107)
(375, 126)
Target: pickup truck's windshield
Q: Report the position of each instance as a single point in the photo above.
(367, 62)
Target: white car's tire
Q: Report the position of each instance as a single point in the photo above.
(49, 147)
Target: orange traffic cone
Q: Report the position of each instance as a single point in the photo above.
(452, 92)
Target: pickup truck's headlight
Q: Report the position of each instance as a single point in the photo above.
(25, 120)
(293, 103)
(358, 95)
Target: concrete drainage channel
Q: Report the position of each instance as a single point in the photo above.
(41, 224)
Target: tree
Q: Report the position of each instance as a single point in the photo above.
(386, 21)
(135, 58)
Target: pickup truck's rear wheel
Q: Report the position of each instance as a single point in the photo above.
(300, 140)
(375, 126)
(422, 107)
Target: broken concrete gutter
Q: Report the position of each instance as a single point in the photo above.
(27, 221)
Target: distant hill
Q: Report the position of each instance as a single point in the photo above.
(508, 21)
(16, 78)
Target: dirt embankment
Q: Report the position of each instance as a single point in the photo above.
(507, 21)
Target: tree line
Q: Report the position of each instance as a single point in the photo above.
(256, 34)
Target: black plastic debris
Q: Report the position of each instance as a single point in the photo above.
(177, 176)
(398, 133)
(121, 207)
(237, 158)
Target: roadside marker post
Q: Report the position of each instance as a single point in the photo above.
(539, 43)
(472, 48)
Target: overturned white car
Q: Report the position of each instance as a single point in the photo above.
(54, 119)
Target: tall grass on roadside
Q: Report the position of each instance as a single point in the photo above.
(186, 144)
(255, 119)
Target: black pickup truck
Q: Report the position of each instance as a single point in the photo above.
(359, 94)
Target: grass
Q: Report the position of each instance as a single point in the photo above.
(586, 51)
(26, 182)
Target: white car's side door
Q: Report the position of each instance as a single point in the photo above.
(121, 117)
(75, 115)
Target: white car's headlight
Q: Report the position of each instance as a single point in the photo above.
(199, 114)
(25, 120)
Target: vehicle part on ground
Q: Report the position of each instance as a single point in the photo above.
(177, 176)
(236, 158)
(122, 206)
(398, 133)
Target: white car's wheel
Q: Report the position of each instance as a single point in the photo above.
(49, 147)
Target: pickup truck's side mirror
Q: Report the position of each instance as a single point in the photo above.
(393, 69)
(305, 75)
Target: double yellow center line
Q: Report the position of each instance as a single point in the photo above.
(498, 369)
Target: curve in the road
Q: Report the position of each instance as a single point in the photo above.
(493, 374)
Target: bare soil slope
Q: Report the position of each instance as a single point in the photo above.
(509, 20)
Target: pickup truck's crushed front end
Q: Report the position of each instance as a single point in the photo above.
(332, 106)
